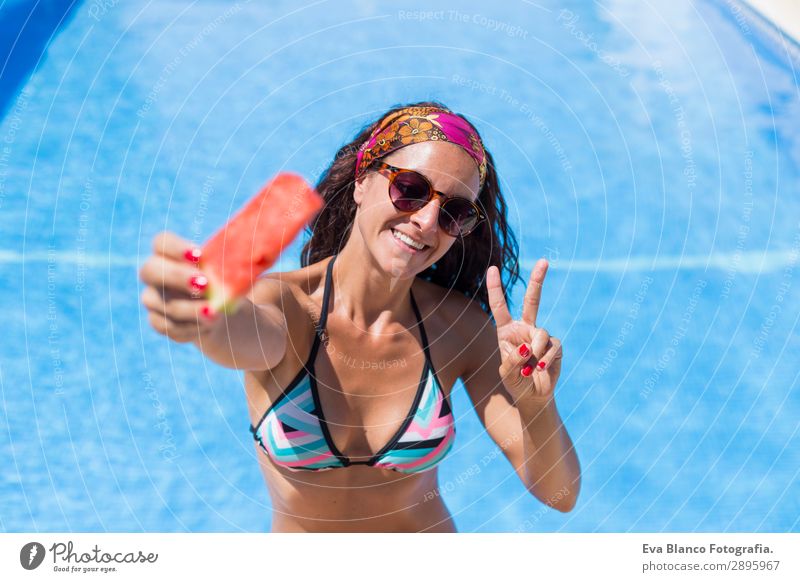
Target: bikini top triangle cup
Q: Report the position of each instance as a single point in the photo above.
(294, 434)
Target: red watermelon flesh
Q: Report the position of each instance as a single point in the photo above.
(252, 240)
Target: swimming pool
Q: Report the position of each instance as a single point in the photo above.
(650, 153)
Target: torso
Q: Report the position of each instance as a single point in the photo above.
(366, 386)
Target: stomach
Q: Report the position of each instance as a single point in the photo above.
(356, 499)
(282, 523)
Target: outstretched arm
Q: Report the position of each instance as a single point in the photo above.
(253, 338)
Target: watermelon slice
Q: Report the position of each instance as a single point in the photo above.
(252, 240)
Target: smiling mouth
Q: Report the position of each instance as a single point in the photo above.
(408, 242)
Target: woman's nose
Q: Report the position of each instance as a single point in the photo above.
(427, 217)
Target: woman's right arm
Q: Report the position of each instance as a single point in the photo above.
(253, 338)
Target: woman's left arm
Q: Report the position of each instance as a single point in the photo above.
(552, 470)
(512, 387)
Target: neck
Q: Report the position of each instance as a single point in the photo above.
(365, 292)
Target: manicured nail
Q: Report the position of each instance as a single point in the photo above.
(541, 365)
(193, 255)
(527, 369)
(207, 312)
(524, 351)
(199, 282)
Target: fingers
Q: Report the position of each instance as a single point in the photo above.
(526, 358)
(516, 361)
(497, 301)
(539, 342)
(179, 332)
(163, 273)
(533, 294)
(168, 244)
(552, 356)
(176, 308)
(179, 319)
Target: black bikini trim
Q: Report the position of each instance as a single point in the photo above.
(409, 417)
(324, 424)
(446, 397)
(308, 367)
(428, 444)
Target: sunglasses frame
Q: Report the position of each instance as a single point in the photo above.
(391, 172)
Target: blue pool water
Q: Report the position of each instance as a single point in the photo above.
(651, 153)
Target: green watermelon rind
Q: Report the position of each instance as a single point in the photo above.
(217, 297)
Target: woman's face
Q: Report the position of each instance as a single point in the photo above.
(450, 170)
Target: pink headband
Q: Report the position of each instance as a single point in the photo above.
(418, 124)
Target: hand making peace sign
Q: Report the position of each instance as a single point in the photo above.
(531, 358)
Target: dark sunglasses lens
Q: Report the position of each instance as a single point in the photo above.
(409, 191)
(458, 216)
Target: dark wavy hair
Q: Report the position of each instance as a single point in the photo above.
(463, 267)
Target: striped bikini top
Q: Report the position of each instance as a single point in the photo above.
(294, 434)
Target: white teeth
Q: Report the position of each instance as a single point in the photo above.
(409, 241)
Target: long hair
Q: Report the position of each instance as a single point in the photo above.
(462, 268)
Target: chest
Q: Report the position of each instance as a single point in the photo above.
(368, 385)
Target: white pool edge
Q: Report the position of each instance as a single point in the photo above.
(784, 14)
(775, 22)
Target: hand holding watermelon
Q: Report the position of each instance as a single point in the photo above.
(174, 292)
(191, 292)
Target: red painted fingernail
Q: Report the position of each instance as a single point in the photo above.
(524, 351)
(199, 282)
(207, 312)
(527, 369)
(541, 365)
(193, 255)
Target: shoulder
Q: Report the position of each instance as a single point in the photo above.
(290, 291)
(454, 305)
(462, 318)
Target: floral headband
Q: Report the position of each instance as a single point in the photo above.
(418, 124)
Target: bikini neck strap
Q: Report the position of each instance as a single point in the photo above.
(323, 318)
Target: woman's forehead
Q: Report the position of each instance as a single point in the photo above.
(449, 168)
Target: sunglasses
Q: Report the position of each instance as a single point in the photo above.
(410, 191)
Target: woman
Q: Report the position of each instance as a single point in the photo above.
(349, 433)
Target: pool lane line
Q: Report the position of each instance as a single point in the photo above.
(742, 262)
